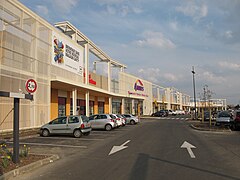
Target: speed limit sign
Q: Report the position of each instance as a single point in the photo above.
(31, 85)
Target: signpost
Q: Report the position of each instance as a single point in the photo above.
(31, 87)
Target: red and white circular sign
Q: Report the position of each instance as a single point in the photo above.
(31, 85)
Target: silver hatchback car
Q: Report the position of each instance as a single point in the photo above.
(73, 125)
(130, 119)
(224, 118)
(103, 121)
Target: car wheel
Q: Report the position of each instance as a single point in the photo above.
(77, 133)
(45, 133)
(108, 127)
(132, 122)
(233, 127)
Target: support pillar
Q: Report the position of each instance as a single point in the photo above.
(86, 60)
(74, 101)
(123, 106)
(110, 105)
(109, 76)
(87, 103)
(106, 106)
(133, 107)
(95, 109)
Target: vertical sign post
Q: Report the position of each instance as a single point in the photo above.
(16, 131)
(31, 87)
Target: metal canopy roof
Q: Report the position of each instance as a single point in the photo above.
(68, 29)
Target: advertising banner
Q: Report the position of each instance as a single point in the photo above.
(66, 54)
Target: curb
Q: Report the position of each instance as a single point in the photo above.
(211, 130)
(29, 167)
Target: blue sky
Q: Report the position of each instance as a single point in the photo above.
(160, 40)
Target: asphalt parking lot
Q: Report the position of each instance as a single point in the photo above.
(154, 145)
(67, 145)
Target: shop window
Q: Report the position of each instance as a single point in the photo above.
(61, 106)
(116, 107)
(91, 107)
(82, 107)
(128, 107)
(100, 107)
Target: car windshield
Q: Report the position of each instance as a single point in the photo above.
(85, 118)
(112, 116)
(224, 114)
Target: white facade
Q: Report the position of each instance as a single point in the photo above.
(134, 88)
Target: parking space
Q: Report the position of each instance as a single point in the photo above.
(66, 145)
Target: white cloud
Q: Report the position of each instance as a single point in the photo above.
(121, 7)
(110, 1)
(173, 25)
(65, 5)
(229, 65)
(111, 10)
(155, 75)
(193, 10)
(212, 78)
(156, 40)
(124, 10)
(229, 34)
(137, 10)
(170, 77)
(42, 10)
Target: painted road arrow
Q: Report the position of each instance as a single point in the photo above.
(188, 146)
(118, 148)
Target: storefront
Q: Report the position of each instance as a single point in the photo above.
(138, 92)
(116, 106)
(33, 48)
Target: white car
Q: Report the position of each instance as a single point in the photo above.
(180, 112)
(118, 120)
(123, 119)
(130, 119)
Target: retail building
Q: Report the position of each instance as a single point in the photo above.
(58, 58)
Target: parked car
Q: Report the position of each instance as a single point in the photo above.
(103, 121)
(74, 125)
(179, 112)
(224, 118)
(123, 119)
(131, 119)
(170, 112)
(161, 113)
(118, 120)
(207, 116)
(236, 119)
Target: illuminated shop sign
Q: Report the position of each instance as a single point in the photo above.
(66, 55)
(137, 94)
(91, 81)
(138, 86)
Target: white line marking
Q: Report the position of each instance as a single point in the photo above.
(188, 146)
(84, 139)
(119, 148)
(55, 145)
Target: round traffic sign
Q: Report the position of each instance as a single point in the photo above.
(31, 85)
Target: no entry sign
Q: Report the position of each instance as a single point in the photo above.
(31, 85)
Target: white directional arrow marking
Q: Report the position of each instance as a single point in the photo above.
(188, 146)
(119, 148)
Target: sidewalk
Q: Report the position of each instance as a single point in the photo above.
(205, 126)
(6, 136)
(22, 133)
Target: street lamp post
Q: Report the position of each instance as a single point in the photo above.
(194, 93)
